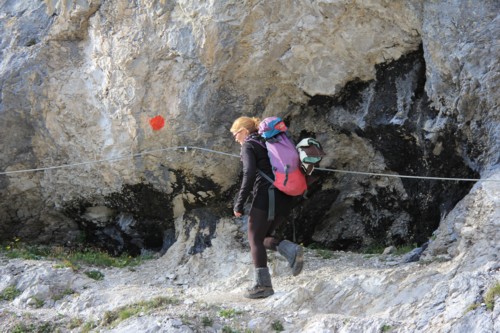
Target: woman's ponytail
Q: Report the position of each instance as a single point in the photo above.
(251, 124)
(256, 122)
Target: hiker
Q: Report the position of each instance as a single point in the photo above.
(254, 157)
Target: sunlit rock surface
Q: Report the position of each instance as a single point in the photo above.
(398, 87)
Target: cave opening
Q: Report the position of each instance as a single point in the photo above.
(140, 218)
(388, 115)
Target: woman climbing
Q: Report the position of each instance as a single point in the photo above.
(261, 231)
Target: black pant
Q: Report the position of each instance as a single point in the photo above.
(260, 235)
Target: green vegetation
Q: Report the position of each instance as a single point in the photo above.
(472, 307)
(229, 313)
(102, 259)
(207, 322)
(325, 254)
(489, 299)
(74, 323)
(112, 318)
(65, 263)
(9, 293)
(385, 328)
(379, 249)
(491, 294)
(405, 248)
(228, 329)
(321, 251)
(33, 328)
(65, 292)
(37, 302)
(88, 326)
(277, 326)
(69, 257)
(96, 275)
(374, 249)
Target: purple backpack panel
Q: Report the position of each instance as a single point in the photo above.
(284, 157)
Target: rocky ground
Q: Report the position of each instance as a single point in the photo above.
(336, 292)
(200, 303)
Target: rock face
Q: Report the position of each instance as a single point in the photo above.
(398, 87)
(336, 291)
(376, 127)
(462, 75)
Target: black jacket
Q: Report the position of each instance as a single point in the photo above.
(254, 156)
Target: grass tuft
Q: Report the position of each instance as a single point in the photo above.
(69, 257)
(9, 293)
(491, 294)
(277, 326)
(229, 313)
(385, 328)
(28, 328)
(207, 322)
(114, 317)
(96, 275)
(472, 307)
(321, 251)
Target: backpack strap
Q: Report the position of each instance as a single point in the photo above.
(271, 211)
(272, 201)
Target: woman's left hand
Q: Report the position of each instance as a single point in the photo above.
(237, 214)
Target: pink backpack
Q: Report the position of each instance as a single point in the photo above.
(284, 157)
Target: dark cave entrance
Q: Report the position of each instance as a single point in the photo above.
(139, 219)
(407, 149)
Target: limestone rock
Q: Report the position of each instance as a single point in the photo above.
(462, 74)
(84, 81)
(393, 87)
(348, 292)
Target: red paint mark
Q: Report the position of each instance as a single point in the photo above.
(157, 123)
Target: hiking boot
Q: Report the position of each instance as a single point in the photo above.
(294, 253)
(262, 287)
(259, 292)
